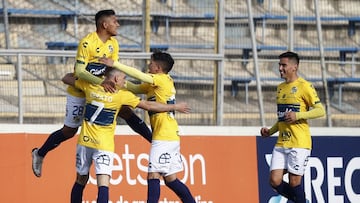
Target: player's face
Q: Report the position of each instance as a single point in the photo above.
(153, 67)
(287, 68)
(111, 25)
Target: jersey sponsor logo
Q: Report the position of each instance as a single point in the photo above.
(284, 108)
(88, 139)
(97, 69)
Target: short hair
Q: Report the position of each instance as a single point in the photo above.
(165, 59)
(110, 71)
(101, 14)
(290, 55)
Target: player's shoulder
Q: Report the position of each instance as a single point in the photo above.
(304, 82)
(114, 40)
(124, 91)
(88, 39)
(161, 76)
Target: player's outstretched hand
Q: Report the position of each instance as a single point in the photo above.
(182, 107)
(107, 61)
(109, 86)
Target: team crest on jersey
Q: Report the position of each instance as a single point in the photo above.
(293, 90)
(97, 50)
(111, 48)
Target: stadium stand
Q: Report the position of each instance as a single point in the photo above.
(188, 26)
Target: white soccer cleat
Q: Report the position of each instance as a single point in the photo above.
(36, 162)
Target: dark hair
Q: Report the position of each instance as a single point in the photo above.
(291, 55)
(103, 13)
(165, 59)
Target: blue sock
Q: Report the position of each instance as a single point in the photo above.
(285, 190)
(54, 140)
(77, 193)
(181, 191)
(153, 194)
(299, 194)
(103, 194)
(139, 126)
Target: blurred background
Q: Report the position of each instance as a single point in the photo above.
(226, 54)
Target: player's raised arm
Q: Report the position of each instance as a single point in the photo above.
(159, 107)
(82, 73)
(134, 88)
(133, 72)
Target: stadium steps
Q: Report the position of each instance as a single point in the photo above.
(7, 72)
(9, 88)
(347, 7)
(24, 4)
(33, 71)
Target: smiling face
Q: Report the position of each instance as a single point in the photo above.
(288, 69)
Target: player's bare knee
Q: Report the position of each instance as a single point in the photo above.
(82, 179)
(69, 132)
(274, 182)
(153, 176)
(170, 178)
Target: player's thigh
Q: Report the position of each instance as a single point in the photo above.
(276, 177)
(278, 159)
(75, 107)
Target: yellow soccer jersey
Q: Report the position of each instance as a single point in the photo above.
(90, 49)
(164, 126)
(98, 126)
(297, 96)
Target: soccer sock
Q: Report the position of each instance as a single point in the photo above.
(181, 190)
(55, 139)
(103, 194)
(153, 194)
(139, 126)
(285, 190)
(77, 193)
(299, 194)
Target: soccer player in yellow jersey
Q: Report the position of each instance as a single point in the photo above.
(165, 158)
(93, 46)
(297, 101)
(96, 139)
